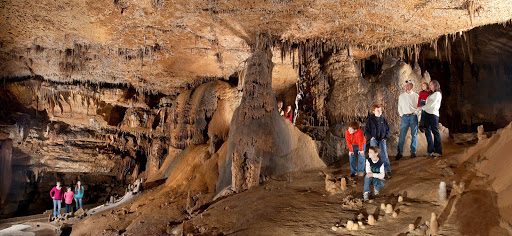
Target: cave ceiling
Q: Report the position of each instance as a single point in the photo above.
(163, 45)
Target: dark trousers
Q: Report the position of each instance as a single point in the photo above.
(432, 127)
(68, 208)
(422, 119)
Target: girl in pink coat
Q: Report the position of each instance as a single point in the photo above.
(68, 199)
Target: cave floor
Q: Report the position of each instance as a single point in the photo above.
(298, 204)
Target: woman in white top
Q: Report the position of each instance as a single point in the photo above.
(431, 109)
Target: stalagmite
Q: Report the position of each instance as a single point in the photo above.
(395, 214)
(343, 184)
(383, 206)
(389, 209)
(400, 198)
(371, 220)
(350, 224)
(442, 192)
(481, 135)
(433, 224)
(361, 226)
(355, 227)
(411, 228)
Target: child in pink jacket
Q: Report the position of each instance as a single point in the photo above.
(68, 199)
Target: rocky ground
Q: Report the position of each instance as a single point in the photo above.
(298, 203)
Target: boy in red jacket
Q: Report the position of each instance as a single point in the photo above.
(356, 143)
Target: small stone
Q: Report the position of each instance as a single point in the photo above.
(329, 176)
(334, 228)
(383, 206)
(355, 227)
(462, 186)
(400, 198)
(447, 172)
(395, 214)
(330, 186)
(371, 201)
(411, 228)
(389, 209)
(350, 224)
(371, 220)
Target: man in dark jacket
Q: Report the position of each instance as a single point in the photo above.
(377, 130)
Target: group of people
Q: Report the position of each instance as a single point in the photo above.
(58, 195)
(288, 114)
(410, 106)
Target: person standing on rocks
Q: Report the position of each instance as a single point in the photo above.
(431, 109)
(356, 143)
(68, 199)
(377, 130)
(79, 194)
(57, 194)
(407, 109)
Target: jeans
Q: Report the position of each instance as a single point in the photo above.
(383, 153)
(377, 184)
(78, 201)
(408, 121)
(357, 166)
(422, 119)
(432, 126)
(56, 207)
(68, 208)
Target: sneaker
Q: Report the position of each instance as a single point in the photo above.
(413, 155)
(388, 175)
(360, 174)
(427, 154)
(398, 156)
(376, 192)
(366, 196)
(434, 154)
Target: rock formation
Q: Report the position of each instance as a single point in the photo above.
(6, 168)
(443, 195)
(371, 220)
(433, 227)
(389, 209)
(184, 92)
(260, 141)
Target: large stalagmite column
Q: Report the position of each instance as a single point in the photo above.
(252, 124)
(261, 142)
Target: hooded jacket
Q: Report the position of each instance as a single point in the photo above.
(377, 127)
